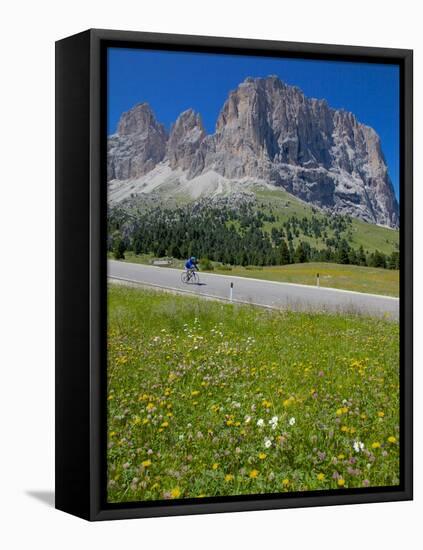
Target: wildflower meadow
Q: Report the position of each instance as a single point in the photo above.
(210, 399)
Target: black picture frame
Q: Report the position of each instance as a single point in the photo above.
(81, 274)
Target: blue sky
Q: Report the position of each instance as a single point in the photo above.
(174, 81)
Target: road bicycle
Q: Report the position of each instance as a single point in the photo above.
(190, 276)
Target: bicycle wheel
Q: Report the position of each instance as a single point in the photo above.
(195, 279)
(184, 277)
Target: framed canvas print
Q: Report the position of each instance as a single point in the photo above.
(234, 274)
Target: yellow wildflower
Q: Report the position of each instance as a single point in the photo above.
(285, 482)
(381, 414)
(375, 445)
(341, 482)
(253, 474)
(176, 492)
(262, 456)
(320, 477)
(392, 439)
(215, 466)
(229, 477)
(165, 424)
(146, 463)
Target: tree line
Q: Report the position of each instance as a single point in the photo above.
(236, 235)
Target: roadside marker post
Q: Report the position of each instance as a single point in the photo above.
(318, 280)
(231, 292)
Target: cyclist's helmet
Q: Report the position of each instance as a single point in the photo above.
(193, 259)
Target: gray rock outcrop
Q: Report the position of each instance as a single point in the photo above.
(138, 146)
(271, 132)
(185, 138)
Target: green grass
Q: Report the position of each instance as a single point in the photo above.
(190, 382)
(371, 237)
(374, 237)
(347, 277)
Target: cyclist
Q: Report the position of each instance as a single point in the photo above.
(191, 265)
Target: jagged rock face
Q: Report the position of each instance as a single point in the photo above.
(270, 131)
(185, 138)
(138, 146)
(265, 123)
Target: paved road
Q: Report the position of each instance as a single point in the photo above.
(254, 291)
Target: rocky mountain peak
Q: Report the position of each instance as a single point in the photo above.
(270, 132)
(138, 120)
(185, 138)
(138, 146)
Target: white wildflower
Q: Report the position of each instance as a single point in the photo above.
(292, 421)
(267, 443)
(260, 422)
(358, 446)
(273, 422)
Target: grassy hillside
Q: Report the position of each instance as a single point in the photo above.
(206, 399)
(283, 205)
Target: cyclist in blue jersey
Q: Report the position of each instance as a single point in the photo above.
(189, 274)
(191, 264)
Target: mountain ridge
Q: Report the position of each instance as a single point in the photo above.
(270, 132)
